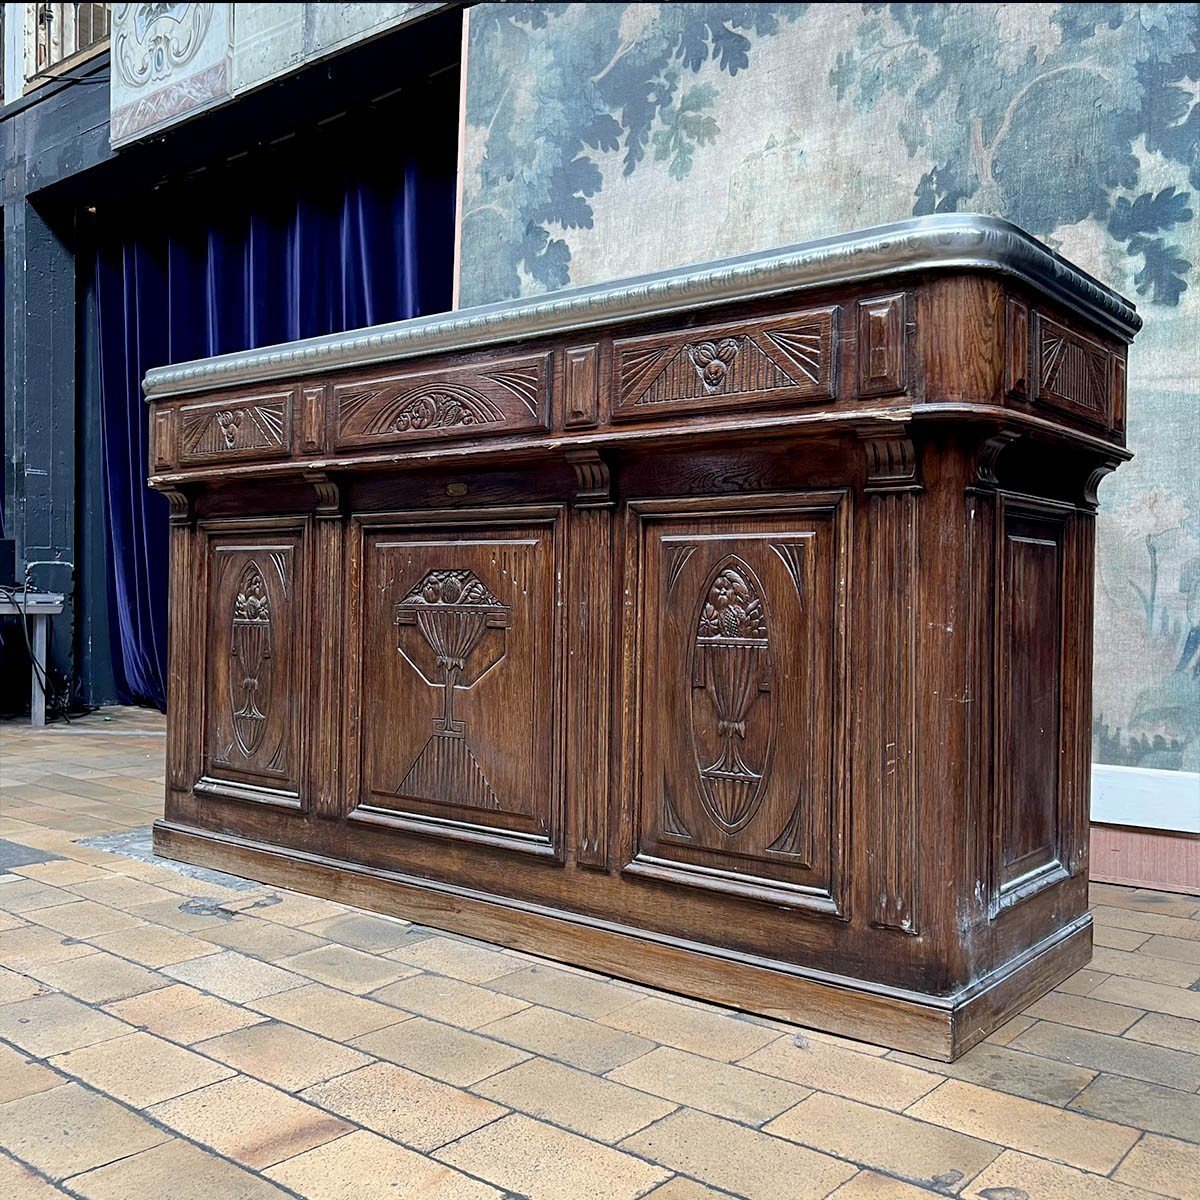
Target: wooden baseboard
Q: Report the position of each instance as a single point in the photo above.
(937, 1027)
(1149, 858)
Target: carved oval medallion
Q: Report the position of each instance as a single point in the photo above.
(250, 649)
(733, 711)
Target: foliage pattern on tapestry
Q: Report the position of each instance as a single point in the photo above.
(604, 140)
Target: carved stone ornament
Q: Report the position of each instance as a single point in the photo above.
(157, 39)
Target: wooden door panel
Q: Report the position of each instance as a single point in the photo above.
(740, 731)
(459, 654)
(254, 669)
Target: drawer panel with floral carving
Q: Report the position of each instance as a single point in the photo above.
(726, 366)
(492, 397)
(225, 430)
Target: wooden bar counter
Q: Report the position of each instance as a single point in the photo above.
(727, 629)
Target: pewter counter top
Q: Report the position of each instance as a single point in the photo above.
(951, 241)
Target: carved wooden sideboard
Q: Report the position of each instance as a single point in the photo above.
(727, 629)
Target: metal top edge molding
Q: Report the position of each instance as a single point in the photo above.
(950, 241)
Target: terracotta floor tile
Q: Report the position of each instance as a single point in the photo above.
(440, 1051)
(98, 978)
(234, 976)
(569, 1039)
(459, 960)
(1143, 922)
(1118, 1056)
(827, 1068)
(62, 873)
(1112, 895)
(1084, 1142)
(82, 919)
(16, 986)
(1176, 1002)
(153, 945)
(1185, 950)
(544, 1163)
(363, 931)
(140, 1069)
(1176, 1033)
(337, 1170)
(348, 969)
(69, 1129)
(1009, 1069)
(1086, 1012)
(54, 1023)
(449, 1000)
(1081, 982)
(998, 1037)
(1144, 1105)
(295, 909)
(248, 1121)
(587, 1104)
(119, 891)
(870, 1185)
(28, 895)
(1174, 972)
(404, 1106)
(739, 1160)
(18, 1182)
(262, 939)
(713, 1087)
(31, 944)
(183, 1014)
(1119, 939)
(283, 1055)
(1164, 1165)
(175, 1170)
(930, 1155)
(331, 1013)
(567, 991)
(21, 1077)
(1014, 1175)
(714, 1034)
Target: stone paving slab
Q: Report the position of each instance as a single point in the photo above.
(170, 1031)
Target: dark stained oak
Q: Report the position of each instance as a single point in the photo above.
(744, 651)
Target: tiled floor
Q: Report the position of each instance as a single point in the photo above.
(168, 1035)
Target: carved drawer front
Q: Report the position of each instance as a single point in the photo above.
(727, 366)
(459, 658)
(486, 398)
(1072, 372)
(254, 676)
(740, 731)
(229, 430)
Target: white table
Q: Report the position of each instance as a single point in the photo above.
(39, 607)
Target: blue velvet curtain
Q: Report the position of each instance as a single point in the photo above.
(292, 248)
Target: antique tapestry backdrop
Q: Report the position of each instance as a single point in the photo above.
(604, 140)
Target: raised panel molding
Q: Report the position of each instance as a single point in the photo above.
(492, 397)
(247, 427)
(788, 358)
(255, 670)
(455, 676)
(581, 385)
(162, 428)
(740, 729)
(882, 346)
(888, 729)
(1016, 349)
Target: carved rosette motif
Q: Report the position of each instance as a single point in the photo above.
(452, 616)
(250, 645)
(211, 432)
(731, 666)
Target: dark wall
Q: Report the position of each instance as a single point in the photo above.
(57, 169)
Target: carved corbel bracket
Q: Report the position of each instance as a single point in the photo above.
(593, 484)
(891, 460)
(329, 495)
(987, 458)
(1096, 476)
(180, 505)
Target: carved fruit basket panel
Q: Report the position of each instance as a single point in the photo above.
(739, 727)
(253, 664)
(458, 654)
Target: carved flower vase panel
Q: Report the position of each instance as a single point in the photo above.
(254, 665)
(458, 652)
(739, 729)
